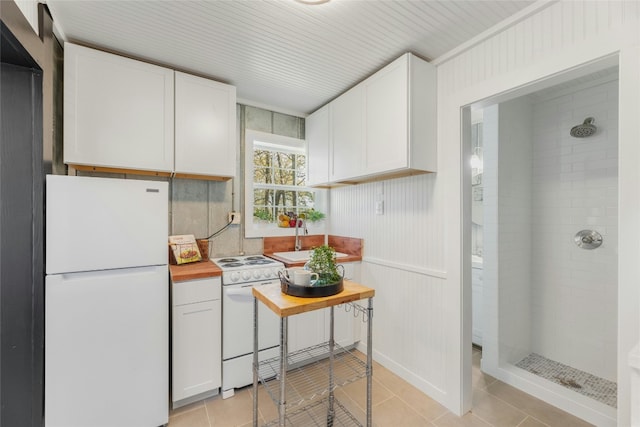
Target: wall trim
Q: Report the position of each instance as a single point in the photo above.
(407, 267)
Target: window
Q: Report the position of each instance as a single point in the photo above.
(275, 184)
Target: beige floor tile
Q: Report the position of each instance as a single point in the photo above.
(395, 412)
(495, 411)
(420, 402)
(352, 406)
(481, 380)
(531, 422)
(468, 420)
(186, 408)
(266, 408)
(234, 411)
(194, 418)
(358, 392)
(538, 409)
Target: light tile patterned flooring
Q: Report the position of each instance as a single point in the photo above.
(395, 403)
(582, 382)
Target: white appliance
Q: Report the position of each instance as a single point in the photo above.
(239, 276)
(106, 303)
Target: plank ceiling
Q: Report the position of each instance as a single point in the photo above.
(279, 53)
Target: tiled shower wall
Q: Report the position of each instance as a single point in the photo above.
(575, 187)
(201, 207)
(508, 234)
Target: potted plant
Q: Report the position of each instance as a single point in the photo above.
(323, 262)
(313, 215)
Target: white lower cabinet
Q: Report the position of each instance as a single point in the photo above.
(196, 340)
(306, 330)
(312, 328)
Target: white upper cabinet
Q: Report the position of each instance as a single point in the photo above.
(382, 127)
(120, 115)
(317, 137)
(347, 135)
(118, 111)
(400, 117)
(205, 121)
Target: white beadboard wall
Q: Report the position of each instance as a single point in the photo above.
(420, 232)
(404, 262)
(558, 37)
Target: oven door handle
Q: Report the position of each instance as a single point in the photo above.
(243, 293)
(240, 294)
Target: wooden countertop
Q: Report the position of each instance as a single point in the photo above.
(346, 245)
(194, 270)
(284, 305)
(287, 263)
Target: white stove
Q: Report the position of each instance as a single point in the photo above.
(239, 275)
(245, 269)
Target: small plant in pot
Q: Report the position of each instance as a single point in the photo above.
(323, 262)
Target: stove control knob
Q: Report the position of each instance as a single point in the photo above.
(235, 276)
(257, 273)
(268, 273)
(246, 275)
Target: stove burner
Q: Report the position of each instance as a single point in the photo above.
(228, 260)
(233, 264)
(258, 262)
(256, 257)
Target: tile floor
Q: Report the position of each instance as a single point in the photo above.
(395, 403)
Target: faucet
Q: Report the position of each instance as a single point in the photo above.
(298, 243)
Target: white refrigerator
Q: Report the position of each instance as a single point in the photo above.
(106, 303)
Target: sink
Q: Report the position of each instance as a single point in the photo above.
(297, 256)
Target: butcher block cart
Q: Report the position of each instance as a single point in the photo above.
(305, 397)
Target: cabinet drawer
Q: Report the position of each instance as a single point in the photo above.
(196, 290)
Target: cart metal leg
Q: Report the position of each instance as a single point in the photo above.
(283, 370)
(369, 358)
(330, 412)
(255, 362)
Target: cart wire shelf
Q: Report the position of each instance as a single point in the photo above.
(316, 414)
(307, 375)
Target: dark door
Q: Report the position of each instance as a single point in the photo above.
(21, 238)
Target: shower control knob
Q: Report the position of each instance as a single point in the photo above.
(588, 239)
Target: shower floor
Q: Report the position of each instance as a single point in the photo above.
(582, 382)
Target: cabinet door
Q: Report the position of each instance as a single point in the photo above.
(197, 359)
(343, 330)
(118, 112)
(317, 136)
(306, 330)
(386, 118)
(205, 127)
(346, 146)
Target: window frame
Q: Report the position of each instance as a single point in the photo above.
(255, 228)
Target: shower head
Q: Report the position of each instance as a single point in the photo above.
(587, 128)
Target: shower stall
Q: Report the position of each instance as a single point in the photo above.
(549, 245)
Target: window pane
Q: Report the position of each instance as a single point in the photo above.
(262, 158)
(286, 198)
(263, 175)
(263, 213)
(284, 176)
(284, 160)
(305, 199)
(262, 197)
